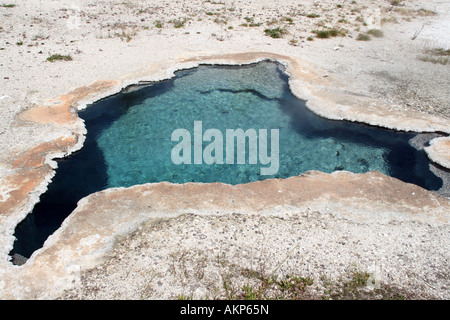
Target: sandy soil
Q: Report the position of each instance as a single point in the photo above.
(113, 39)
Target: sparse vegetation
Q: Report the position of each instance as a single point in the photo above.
(363, 37)
(389, 20)
(126, 35)
(275, 33)
(10, 5)
(290, 287)
(322, 34)
(179, 23)
(250, 24)
(438, 52)
(259, 285)
(436, 56)
(122, 30)
(288, 19)
(396, 2)
(220, 21)
(158, 24)
(59, 57)
(328, 33)
(360, 19)
(293, 42)
(376, 33)
(259, 282)
(313, 15)
(354, 286)
(425, 12)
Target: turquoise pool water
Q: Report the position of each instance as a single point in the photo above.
(129, 141)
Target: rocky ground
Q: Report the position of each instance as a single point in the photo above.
(312, 255)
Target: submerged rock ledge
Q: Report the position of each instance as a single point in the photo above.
(90, 231)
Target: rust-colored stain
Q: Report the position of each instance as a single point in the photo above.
(30, 172)
(57, 114)
(61, 112)
(30, 169)
(36, 156)
(20, 185)
(443, 147)
(439, 151)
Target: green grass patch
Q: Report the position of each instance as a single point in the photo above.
(355, 288)
(262, 282)
(10, 5)
(59, 57)
(288, 19)
(328, 33)
(265, 287)
(275, 33)
(352, 286)
(179, 23)
(322, 34)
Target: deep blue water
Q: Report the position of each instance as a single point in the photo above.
(129, 141)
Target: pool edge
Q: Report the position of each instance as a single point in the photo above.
(29, 179)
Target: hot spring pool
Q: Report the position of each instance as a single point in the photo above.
(131, 141)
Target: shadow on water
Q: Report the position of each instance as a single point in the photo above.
(405, 162)
(80, 174)
(85, 171)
